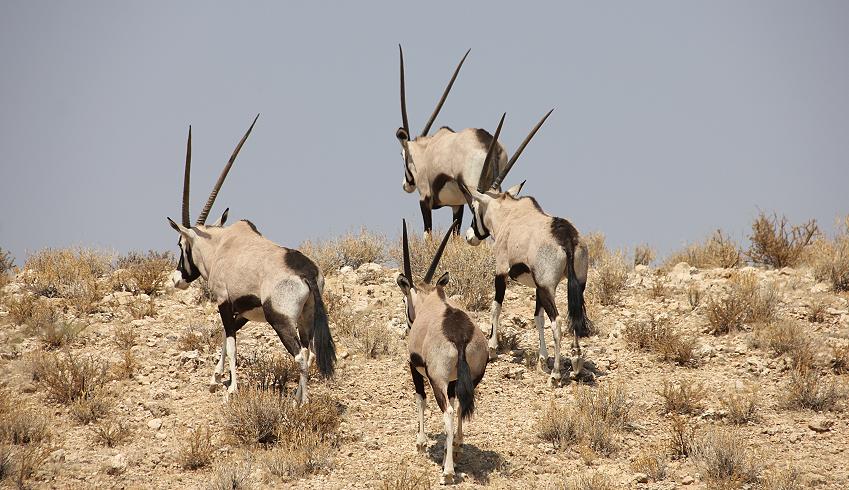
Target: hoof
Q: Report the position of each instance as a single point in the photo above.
(577, 364)
(554, 380)
(447, 479)
(542, 365)
(421, 444)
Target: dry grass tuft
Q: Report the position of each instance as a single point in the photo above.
(143, 273)
(742, 406)
(592, 421)
(351, 250)
(21, 424)
(787, 337)
(723, 458)
(111, 432)
(816, 309)
(472, 269)
(776, 243)
(727, 314)
(306, 455)
(784, 479)
(840, 359)
(73, 274)
(747, 301)
(808, 389)
(659, 288)
(360, 327)
(587, 481)
(19, 463)
(7, 264)
(682, 436)
(91, 409)
(235, 476)
(199, 338)
(596, 246)
(23, 308)
(142, 308)
(406, 479)
(196, 449)
(324, 254)
(651, 462)
(268, 372)
(608, 277)
(682, 398)
(126, 337)
(717, 251)
(68, 378)
(694, 296)
(658, 336)
(50, 327)
(643, 255)
(830, 259)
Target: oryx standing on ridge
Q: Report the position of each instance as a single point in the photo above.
(435, 164)
(253, 278)
(536, 250)
(444, 345)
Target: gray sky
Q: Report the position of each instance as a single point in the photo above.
(673, 118)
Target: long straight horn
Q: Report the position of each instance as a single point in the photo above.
(500, 178)
(187, 221)
(212, 195)
(444, 96)
(488, 162)
(403, 96)
(408, 273)
(438, 255)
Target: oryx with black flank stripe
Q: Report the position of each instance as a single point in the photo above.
(252, 278)
(435, 164)
(446, 347)
(536, 250)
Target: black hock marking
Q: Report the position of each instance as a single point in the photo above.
(246, 303)
(457, 327)
(427, 217)
(538, 306)
(517, 270)
(500, 288)
(565, 234)
(300, 264)
(458, 215)
(252, 227)
(546, 300)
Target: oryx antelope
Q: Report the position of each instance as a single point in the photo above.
(446, 347)
(434, 164)
(536, 250)
(253, 278)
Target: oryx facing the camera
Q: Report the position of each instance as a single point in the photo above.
(435, 164)
(446, 347)
(252, 278)
(536, 250)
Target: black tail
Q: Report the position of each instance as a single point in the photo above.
(465, 386)
(575, 296)
(325, 350)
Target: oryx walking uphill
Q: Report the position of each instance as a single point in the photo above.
(445, 346)
(253, 278)
(536, 250)
(435, 164)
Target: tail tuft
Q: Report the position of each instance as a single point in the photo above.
(575, 296)
(465, 386)
(325, 350)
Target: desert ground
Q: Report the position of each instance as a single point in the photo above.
(713, 368)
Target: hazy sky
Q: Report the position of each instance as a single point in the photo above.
(672, 118)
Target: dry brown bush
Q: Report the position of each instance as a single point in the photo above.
(199, 338)
(68, 378)
(360, 327)
(75, 274)
(658, 336)
(23, 308)
(682, 398)
(746, 302)
(682, 436)
(351, 250)
(787, 337)
(196, 449)
(607, 281)
(126, 337)
(586, 481)
(830, 259)
(126, 367)
(593, 420)
(723, 457)
(20, 423)
(783, 479)
(776, 243)
(143, 272)
(840, 359)
(7, 263)
(19, 463)
(816, 309)
(717, 251)
(233, 476)
(651, 462)
(142, 308)
(90, 409)
(472, 269)
(659, 288)
(269, 372)
(742, 406)
(324, 254)
(808, 389)
(405, 479)
(596, 247)
(111, 432)
(304, 454)
(643, 255)
(7, 462)
(694, 296)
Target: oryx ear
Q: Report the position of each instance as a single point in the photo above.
(403, 283)
(402, 135)
(514, 191)
(186, 232)
(222, 219)
(443, 280)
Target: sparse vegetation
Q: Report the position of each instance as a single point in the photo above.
(268, 372)
(608, 277)
(840, 359)
(787, 337)
(68, 378)
(196, 449)
(593, 420)
(816, 309)
(776, 243)
(746, 302)
(830, 259)
(596, 247)
(19, 423)
(406, 479)
(235, 476)
(682, 436)
(682, 398)
(351, 250)
(307, 454)
(808, 389)
(643, 255)
(651, 462)
(587, 481)
(142, 308)
(126, 337)
(694, 296)
(658, 336)
(92, 408)
(783, 479)
(7, 263)
(742, 406)
(723, 457)
(76, 275)
(143, 273)
(111, 432)
(717, 251)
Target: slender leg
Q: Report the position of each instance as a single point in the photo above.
(448, 419)
(219, 369)
(231, 326)
(500, 288)
(231, 358)
(458, 438)
(546, 300)
(458, 215)
(421, 404)
(542, 363)
(426, 216)
(303, 360)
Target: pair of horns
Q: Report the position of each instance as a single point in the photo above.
(212, 195)
(489, 162)
(408, 272)
(432, 119)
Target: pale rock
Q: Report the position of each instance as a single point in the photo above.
(58, 456)
(641, 478)
(117, 464)
(346, 270)
(516, 372)
(681, 273)
(687, 480)
(641, 269)
(821, 425)
(154, 424)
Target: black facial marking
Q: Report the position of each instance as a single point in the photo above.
(186, 265)
(252, 227)
(457, 327)
(517, 270)
(479, 223)
(246, 303)
(565, 234)
(300, 264)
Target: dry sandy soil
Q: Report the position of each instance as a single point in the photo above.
(502, 447)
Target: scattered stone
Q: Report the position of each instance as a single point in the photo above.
(516, 372)
(641, 478)
(820, 425)
(687, 480)
(58, 456)
(28, 388)
(154, 424)
(117, 464)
